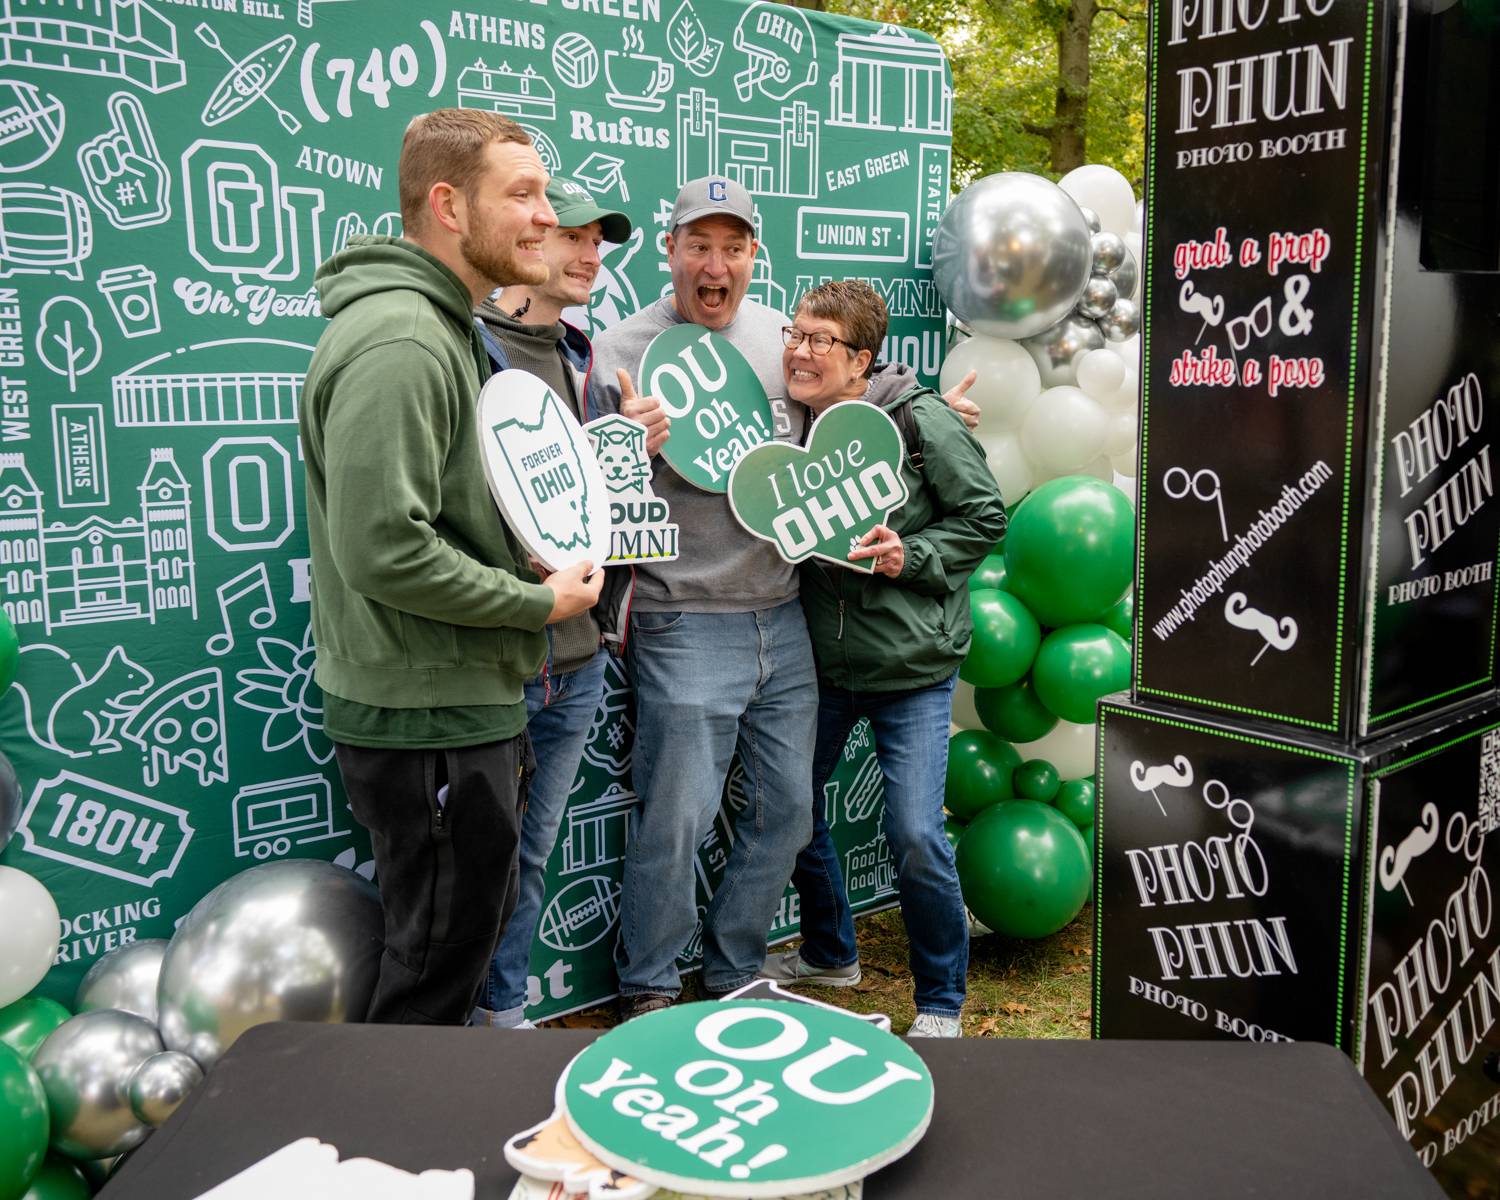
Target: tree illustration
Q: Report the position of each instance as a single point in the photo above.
(66, 340)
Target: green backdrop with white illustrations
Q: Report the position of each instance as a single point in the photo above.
(171, 174)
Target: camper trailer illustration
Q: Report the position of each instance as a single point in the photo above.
(270, 818)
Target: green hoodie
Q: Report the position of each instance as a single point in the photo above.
(871, 633)
(421, 597)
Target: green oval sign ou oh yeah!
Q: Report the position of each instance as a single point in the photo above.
(714, 399)
(747, 1098)
(818, 501)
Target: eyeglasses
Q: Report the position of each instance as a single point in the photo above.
(819, 343)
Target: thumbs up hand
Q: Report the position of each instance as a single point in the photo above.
(645, 409)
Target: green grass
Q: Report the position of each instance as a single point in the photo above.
(1023, 989)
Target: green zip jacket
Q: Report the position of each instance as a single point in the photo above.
(421, 596)
(871, 633)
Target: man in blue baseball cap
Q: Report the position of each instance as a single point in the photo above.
(522, 327)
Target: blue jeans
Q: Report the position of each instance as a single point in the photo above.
(707, 684)
(911, 744)
(559, 711)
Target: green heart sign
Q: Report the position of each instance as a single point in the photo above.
(817, 502)
(747, 1098)
(715, 401)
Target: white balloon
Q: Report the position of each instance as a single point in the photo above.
(965, 715)
(1100, 374)
(1013, 471)
(29, 933)
(1064, 430)
(1129, 351)
(1127, 399)
(1127, 466)
(1135, 245)
(1008, 382)
(1068, 747)
(1140, 216)
(1122, 435)
(1100, 468)
(1106, 191)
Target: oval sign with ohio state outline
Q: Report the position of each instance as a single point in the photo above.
(717, 406)
(747, 1098)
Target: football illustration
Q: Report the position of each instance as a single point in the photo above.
(31, 126)
(581, 914)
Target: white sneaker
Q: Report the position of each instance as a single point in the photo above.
(790, 968)
(931, 1025)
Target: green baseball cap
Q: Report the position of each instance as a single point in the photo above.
(574, 207)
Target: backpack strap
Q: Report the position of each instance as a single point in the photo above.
(906, 422)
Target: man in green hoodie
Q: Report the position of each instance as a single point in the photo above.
(426, 617)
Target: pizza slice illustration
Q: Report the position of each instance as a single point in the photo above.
(180, 727)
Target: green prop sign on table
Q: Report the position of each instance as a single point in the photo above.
(819, 501)
(747, 1098)
(716, 404)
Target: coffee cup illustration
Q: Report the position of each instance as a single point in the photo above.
(131, 292)
(636, 81)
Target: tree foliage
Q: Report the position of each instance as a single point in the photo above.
(1039, 85)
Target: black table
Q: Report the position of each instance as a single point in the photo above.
(1014, 1120)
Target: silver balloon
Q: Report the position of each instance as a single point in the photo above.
(1099, 296)
(1011, 255)
(1091, 218)
(1122, 322)
(1126, 275)
(1109, 251)
(1058, 350)
(10, 801)
(160, 1084)
(124, 979)
(286, 941)
(85, 1066)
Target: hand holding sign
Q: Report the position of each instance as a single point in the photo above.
(574, 590)
(645, 409)
(882, 545)
(827, 500)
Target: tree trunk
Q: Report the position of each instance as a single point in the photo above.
(814, 5)
(1070, 117)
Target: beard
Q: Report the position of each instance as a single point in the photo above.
(493, 258)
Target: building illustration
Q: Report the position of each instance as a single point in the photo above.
(191, 385)
(596, 831)
(890, 80)
(123, 39)
(520, 94)
(97, 570)
(770, 156)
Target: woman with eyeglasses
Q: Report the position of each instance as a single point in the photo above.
(888, 645)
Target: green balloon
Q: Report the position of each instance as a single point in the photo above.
(980, 767)
(1121, 618)
(1071, 549)
(1075, 800)
(953, 829)
(1078, 664)
(58, 1180)
(1037, 779)
(24, 1123)
(1088, 839)
(1006, 637)
(1024, 869)
(1014, 712)
(990, 574)
(10, 651)
(25, 1024)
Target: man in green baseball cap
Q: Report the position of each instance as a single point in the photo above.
(522, 327)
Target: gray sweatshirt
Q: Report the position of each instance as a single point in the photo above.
(722, 568)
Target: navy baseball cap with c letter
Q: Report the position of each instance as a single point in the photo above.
(713, 196)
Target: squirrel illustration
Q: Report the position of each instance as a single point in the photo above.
(70, 712)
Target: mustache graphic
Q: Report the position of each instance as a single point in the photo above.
(1178, 773)
(1210, 308)
(1395, 860)
(1282, 634)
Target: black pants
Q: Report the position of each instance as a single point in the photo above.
(447, 876)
